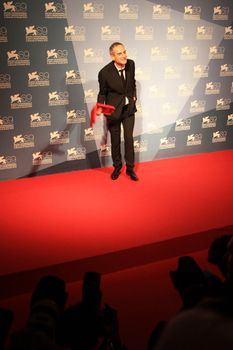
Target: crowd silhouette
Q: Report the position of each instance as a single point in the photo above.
(204, 320)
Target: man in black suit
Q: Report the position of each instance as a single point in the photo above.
(117, 87)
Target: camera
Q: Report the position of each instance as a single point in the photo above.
(47, 303)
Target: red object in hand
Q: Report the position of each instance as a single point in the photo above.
(105, 109)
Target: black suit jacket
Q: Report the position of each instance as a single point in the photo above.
(112, 91)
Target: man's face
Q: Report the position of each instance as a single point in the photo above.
(119, 55)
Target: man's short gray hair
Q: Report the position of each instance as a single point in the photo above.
(113, 45)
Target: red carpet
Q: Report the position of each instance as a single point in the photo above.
(132, 233)
(58, 218)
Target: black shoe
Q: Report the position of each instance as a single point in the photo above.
(132, 175)
(115, 174)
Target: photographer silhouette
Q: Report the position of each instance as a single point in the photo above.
(87, 325)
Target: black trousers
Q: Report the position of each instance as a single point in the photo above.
(115, 131)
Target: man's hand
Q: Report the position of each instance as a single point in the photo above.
(99, 111)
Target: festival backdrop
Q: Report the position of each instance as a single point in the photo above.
(50, 55)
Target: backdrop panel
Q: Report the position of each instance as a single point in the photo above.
(50, 55)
